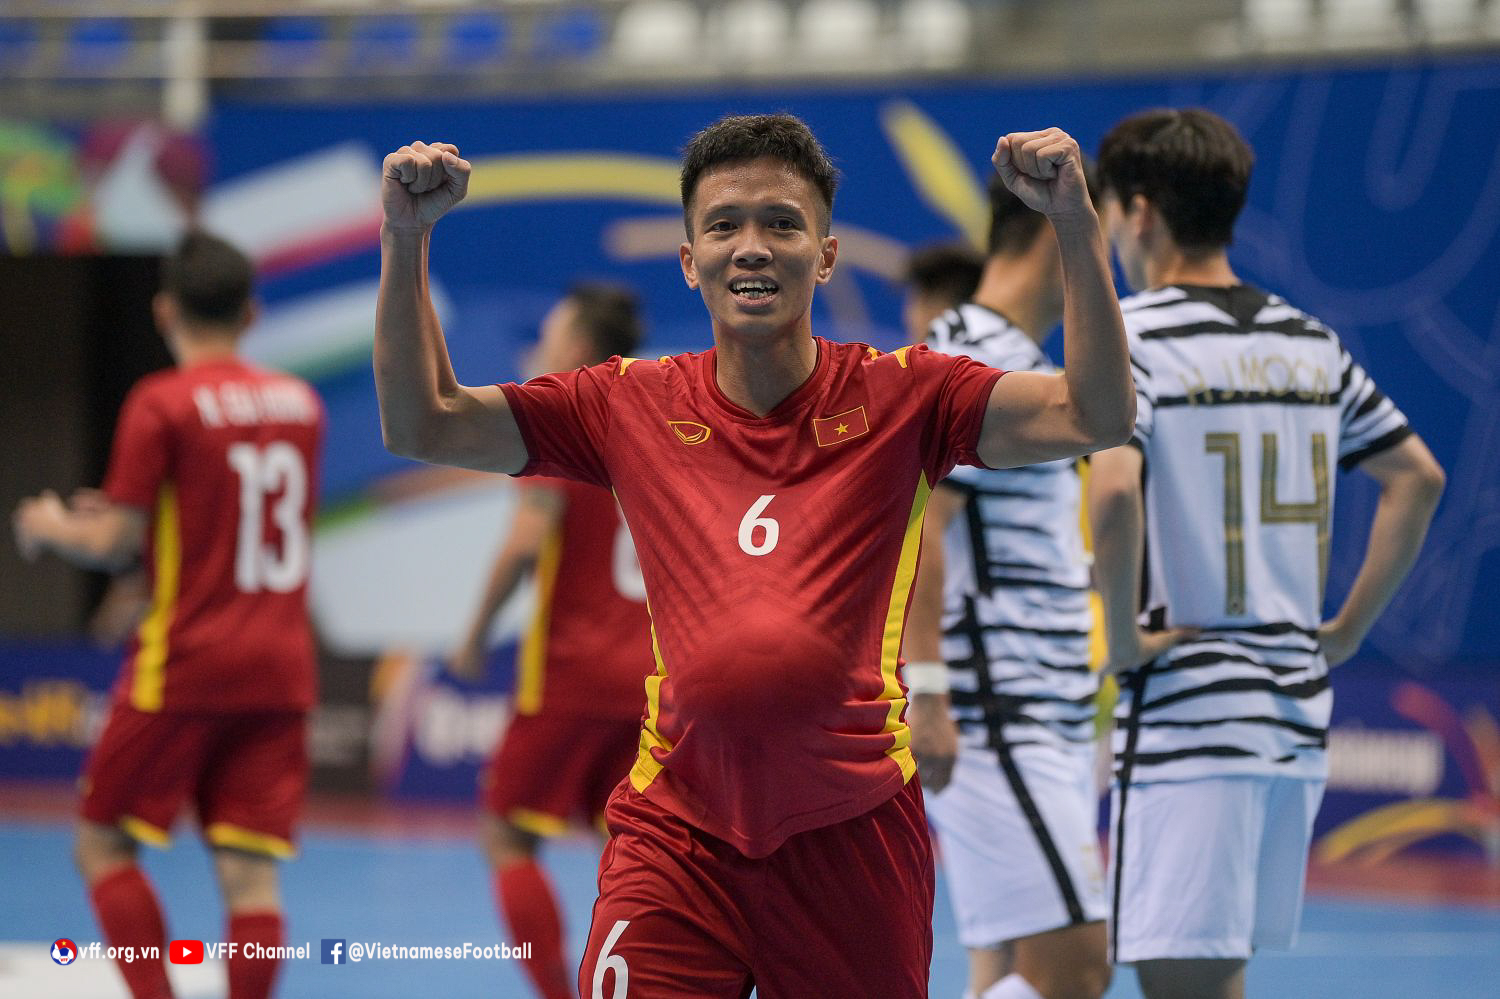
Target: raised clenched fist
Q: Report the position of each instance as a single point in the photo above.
(1045, 170)
(420, 182)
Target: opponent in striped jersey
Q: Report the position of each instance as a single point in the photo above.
(1246, 409)
(1003, 565)
(212, 483)
(775, 487)
(1016, 583)
(581, 671)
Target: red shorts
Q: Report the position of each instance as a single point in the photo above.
(245, 771)
(845, 910)
(553, 770)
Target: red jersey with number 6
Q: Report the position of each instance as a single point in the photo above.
(778, 554)
(587, 651)
(223, 457)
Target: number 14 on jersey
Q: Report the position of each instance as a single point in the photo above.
(1272, 509)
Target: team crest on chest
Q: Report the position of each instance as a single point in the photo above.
(689, 432)
(845, 426)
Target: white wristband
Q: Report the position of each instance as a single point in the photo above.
(925, 677)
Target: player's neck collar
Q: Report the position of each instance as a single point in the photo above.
(793, 401)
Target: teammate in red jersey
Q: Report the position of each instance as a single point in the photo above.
(212, 481)
(770, 835)
(581, 672)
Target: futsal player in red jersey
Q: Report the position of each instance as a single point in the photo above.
(770, 834)
(580, 675)
(211, 481)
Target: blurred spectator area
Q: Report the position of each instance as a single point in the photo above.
(176, 52)
(77, 335)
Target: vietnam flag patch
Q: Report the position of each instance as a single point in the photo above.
(845, 426)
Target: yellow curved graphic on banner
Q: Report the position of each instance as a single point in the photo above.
(578, 176)
(1376, 835)
(938, 170)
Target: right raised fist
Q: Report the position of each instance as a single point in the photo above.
(420, 182)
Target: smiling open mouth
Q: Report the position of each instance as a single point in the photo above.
(754, 289)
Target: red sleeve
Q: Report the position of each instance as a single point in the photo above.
(564, 420)
(141, 453)
(963, 392)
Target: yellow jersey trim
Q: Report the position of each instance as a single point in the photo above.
(239, 838)
(646, 765)
(626, 362)
(535, 822)
(149, 678)
(900, 355)
(895, 625)
(533, 663)
(1109, 690)
(144, 832)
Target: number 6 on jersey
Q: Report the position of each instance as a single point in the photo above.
(751, 521)
(612, 962)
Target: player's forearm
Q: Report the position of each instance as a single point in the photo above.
(95, 542)
(1116, 517)
(1405, 509)
(507, 574)
(413, 376)
(1096, 360)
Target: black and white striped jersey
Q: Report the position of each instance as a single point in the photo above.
(1244, 405)
(1016, 612)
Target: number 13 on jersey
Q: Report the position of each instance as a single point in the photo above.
(265, 471)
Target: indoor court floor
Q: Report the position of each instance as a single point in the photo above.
(411, 877)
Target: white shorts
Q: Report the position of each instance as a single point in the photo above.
(1020, 859)
(1213, 868)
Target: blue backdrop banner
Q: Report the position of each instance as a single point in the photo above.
(1375, 205)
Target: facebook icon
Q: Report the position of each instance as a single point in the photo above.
(333, 951)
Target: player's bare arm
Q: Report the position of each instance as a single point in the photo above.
(1035, 417)
(537, 514)
(424, 412)
(1411, 483)
(934, 734)
(90, 532)
(1117, 515)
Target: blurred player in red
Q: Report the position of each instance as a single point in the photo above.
(580, 678)
(770, 834)
(212, 482)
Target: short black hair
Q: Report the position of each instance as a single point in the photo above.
(209, 278)
(609, 315)
(948, 272)
(742, 138)
(1191, 164)
(1013, 225)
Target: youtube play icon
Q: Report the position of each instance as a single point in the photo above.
(186, 952)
